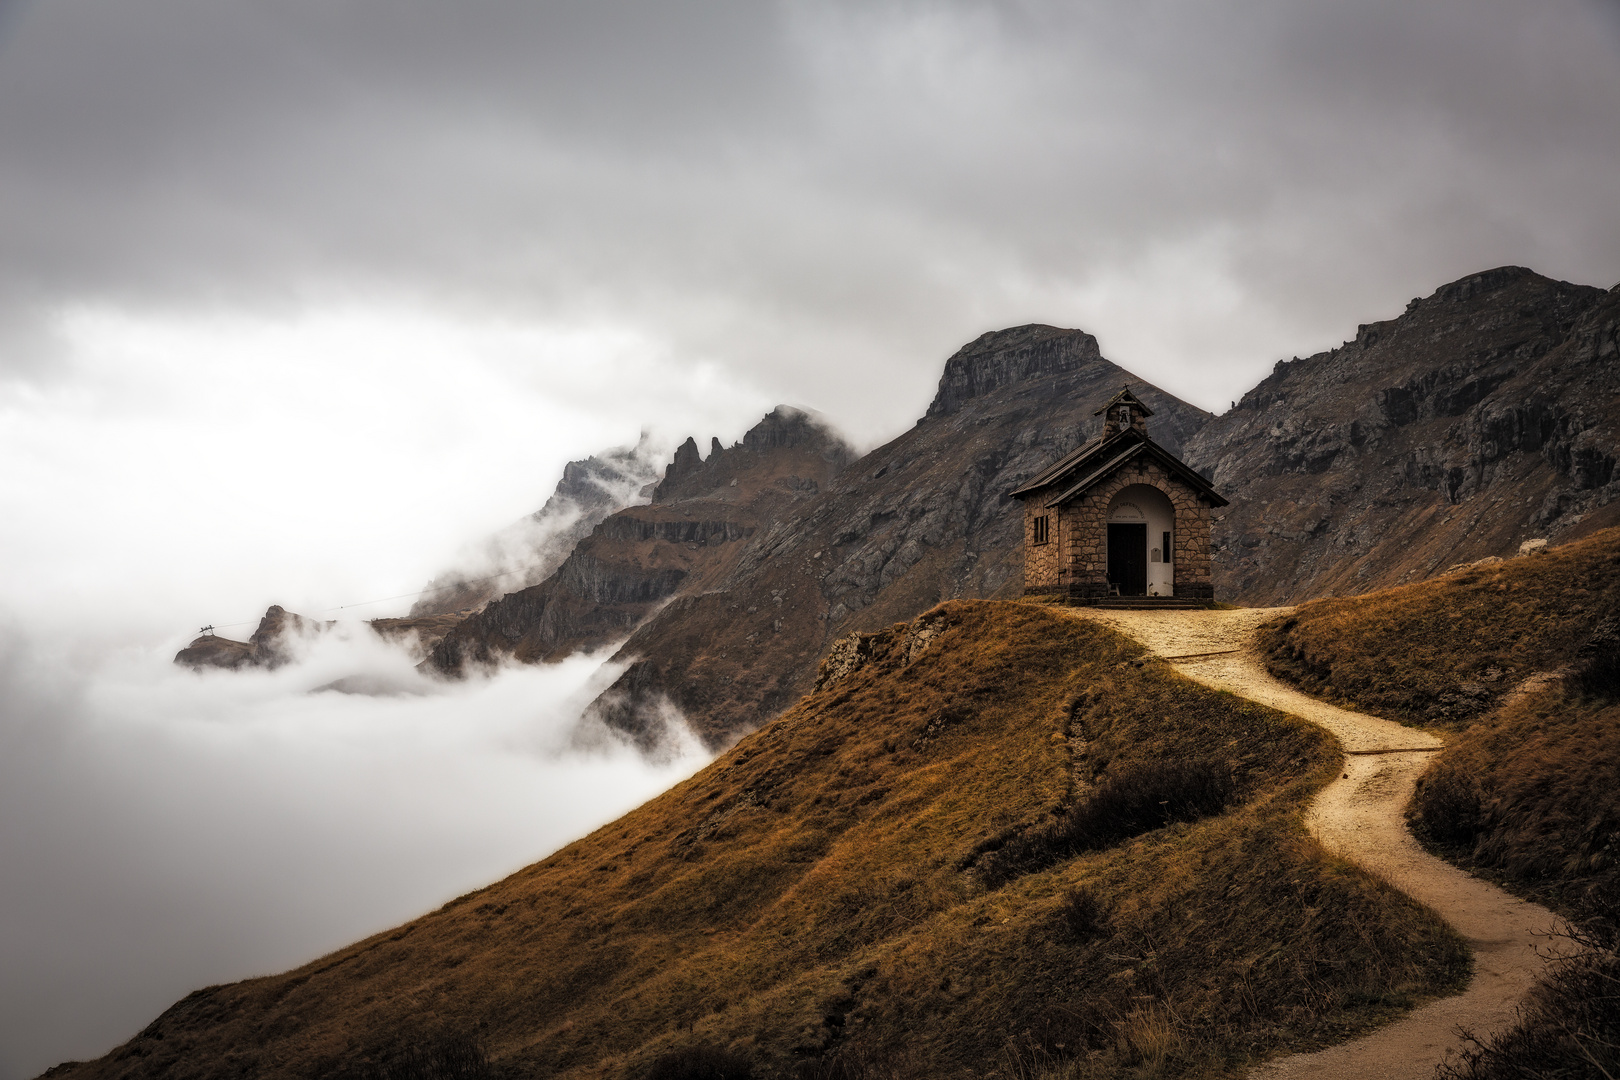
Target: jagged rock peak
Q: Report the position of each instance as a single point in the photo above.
(783, 428)
(688, 460)
(1002, 357)
(787, 426)
(1486, 281)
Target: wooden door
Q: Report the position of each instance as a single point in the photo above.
(1127, 558)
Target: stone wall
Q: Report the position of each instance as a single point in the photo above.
(1043, 563)
(1080, 538)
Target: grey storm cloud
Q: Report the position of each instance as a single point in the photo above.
(297, 295)
(798, 190)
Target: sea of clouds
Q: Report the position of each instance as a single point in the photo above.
(163, 829)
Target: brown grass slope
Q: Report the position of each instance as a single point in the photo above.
(1521, 659)
(819, 893)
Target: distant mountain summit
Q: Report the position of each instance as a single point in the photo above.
(1484, 415)
(689, 535)
(529, 551)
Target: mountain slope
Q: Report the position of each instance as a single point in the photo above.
(529, 551)
(865, 879)
(921, 519)
(1488, 413)
(1514, 654)
(685, 539)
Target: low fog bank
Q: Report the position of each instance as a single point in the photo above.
(163, 830)
(529, 550)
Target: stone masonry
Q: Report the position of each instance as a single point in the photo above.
(1073, 562)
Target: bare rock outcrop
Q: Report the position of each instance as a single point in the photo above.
(1484, 415)
(268, 647)
(687, 538)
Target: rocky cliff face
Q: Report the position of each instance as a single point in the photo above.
(923, 518)
(689, 536)
(529, 551)
(269, 647)
(1485, 415)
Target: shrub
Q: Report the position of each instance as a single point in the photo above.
(1569, 1027)
(1597, 672)
(1131, 800)
(452, 1055)
(855, 1062)
(1447, 808)
(1081, 913)
(701, 1062)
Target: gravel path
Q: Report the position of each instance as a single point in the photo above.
(1360, 817)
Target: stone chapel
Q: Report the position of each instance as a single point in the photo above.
(1121, 516)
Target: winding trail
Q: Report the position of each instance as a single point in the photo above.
(1360, 817)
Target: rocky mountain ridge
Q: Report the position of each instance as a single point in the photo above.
(920, 519)
(529, 551)
(688, 536)
(1485, 415)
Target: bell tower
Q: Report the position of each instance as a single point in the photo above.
(1124, 411)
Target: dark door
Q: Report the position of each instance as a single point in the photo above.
(1127, 558)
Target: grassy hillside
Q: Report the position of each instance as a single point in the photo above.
(946, 861)
(1517, 659)
(1449, 649)
(1521, 660)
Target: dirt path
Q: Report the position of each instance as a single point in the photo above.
(1360, 818)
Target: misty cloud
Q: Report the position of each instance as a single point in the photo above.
(298, 300)
(822, 198)
(163, 830)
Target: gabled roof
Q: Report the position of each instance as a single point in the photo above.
(1053, 472)
(1124, 397)
(1077, 473)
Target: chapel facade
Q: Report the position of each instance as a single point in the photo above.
(1121, 516)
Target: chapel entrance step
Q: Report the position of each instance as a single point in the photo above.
(1148, 603)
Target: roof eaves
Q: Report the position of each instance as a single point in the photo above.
(1097, 474)
(1050, 475)
(1176, 465)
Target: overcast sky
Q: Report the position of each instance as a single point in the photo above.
(298, 297)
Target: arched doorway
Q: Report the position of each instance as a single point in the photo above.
(1141, 521)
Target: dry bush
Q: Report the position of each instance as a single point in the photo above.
(858, 1062)
(1597, 672)
(1135, 798)
(1568, 1029)
(1082, 913)
(1447, 808)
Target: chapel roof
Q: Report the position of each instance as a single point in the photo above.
(1083, 469)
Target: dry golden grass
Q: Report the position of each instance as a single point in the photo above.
(1530, 790)
(1446, 650)
(815, 900)
(1528, 793)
